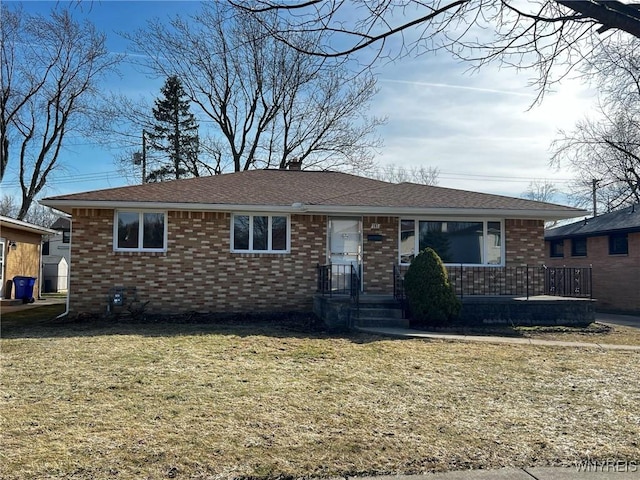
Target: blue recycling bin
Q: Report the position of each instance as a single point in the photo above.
(24, 288)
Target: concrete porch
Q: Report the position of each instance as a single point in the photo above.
(341, 312)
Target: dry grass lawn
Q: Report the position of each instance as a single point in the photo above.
(595, 333)
(197, 401)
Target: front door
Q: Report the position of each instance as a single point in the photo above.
(344, 250)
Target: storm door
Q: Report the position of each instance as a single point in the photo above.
(344, 250)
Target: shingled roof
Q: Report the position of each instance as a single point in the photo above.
(9, 222)
(310, 192)
(620, 221)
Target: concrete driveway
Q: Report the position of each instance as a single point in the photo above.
(38, 303)
(623, 320)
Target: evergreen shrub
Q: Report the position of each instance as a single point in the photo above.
(431, 298)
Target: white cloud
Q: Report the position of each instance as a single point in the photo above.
(480, 130)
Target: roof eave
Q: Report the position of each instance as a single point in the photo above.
(591, 233)
(297, 207)
(26, 227)
(532, 214)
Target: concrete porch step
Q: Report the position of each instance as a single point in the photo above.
(373, 322)
(375, 311)
(377, 301)
(379, 312)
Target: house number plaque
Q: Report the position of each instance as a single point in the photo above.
(375, 226)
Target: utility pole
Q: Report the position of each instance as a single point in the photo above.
(144, 157)
(594, 186)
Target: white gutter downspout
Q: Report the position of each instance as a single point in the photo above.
(41, 265)
(66, 312)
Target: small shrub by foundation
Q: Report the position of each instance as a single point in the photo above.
(431, 298)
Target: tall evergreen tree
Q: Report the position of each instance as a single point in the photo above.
(175, 134)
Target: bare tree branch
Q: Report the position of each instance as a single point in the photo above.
(50, 69)
(548, 36)
(268, 102)
(606, 149)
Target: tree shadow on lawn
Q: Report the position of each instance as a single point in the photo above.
(514, 330)
(45, 324)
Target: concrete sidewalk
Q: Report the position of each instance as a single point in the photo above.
(41, 302)
(626, 320)
(615, 319)
(409, 333)
(613, 471)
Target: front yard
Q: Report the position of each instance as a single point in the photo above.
(102, 400)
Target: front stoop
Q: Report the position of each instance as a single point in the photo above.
(378, 311)
(339, 312)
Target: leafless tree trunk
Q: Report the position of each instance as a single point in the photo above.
(268, 102)
(37, 214)
(50, 68)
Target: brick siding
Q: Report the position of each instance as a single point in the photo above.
(524, 242)
(379, 257)
(199, 273)
(616, 278)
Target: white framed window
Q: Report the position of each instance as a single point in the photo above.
(140, 231)
(260, 233)
(467, 242)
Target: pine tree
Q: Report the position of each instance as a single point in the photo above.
(175, 134)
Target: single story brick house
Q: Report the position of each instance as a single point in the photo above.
(611, 244)
(252, 241)
(20, 253)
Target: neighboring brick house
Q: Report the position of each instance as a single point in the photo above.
(20, 253)
(252, 241)
(611, 244)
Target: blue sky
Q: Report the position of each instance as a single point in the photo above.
(477, 129)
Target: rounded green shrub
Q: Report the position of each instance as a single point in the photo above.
(431, 298)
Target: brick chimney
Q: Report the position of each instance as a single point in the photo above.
(294, 164)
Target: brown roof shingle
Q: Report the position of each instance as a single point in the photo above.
(312, 188)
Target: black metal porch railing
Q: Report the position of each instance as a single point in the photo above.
(334, 279)
(398, 287)
(355, 288)
(520, 281)
(569, 281)
(398, 282)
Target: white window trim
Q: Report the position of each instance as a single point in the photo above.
(140, 231)
(270, 234)
(485, 230)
